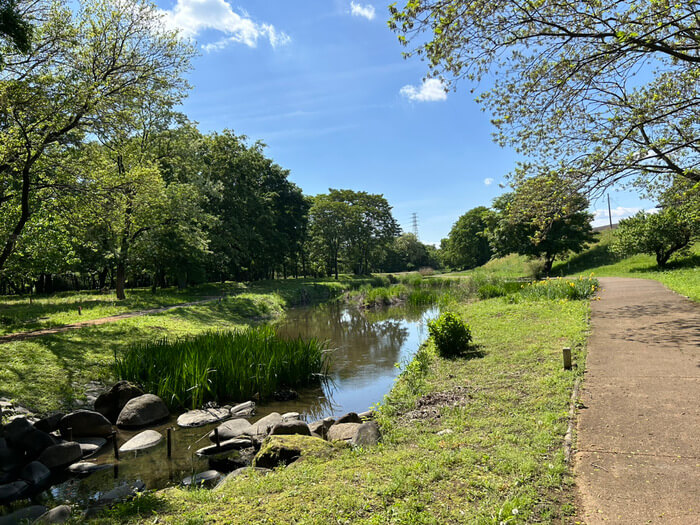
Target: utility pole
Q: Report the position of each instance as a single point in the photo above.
(414, 224)
(609, 212)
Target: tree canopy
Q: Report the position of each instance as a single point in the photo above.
(467, 246)
(600, 91)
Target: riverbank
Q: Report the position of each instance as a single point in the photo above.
(63, 370)
(475, 440)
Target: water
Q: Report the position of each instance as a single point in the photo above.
(365, 347)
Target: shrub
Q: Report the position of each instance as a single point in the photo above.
(451, 335)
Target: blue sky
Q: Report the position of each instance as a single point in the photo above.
(324, 85)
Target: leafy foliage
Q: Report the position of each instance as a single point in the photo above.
(467, 245)
(451, 335)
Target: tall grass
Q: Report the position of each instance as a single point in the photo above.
(222, 366)
(561, 288)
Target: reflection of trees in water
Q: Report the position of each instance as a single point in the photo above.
(362, 340)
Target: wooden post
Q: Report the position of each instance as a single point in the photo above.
(69, 430)
(216, 438)
(566, 352)
(116, 447)
(170, 442)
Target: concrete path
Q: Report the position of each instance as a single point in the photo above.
(638, 452)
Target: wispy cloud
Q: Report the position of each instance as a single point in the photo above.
(431, 90)
(192, 17)
(601, 217)
(365, 11)
(488, 181)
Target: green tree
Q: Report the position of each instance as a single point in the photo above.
(14, 27)
(467, 245)
(544, 217)
(599, 91)
(327, 230)
(87, 73)
(407, 253)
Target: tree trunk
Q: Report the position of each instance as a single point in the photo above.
(121, 280)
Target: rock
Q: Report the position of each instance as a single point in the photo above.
(285, 395)
(343, 431)
(27, 514)
(83, 468)
(246, 409)
(367, 435)
(90, 446)
(205, 479)
(445, 432)
(321, 427)
(15, 431)
(84, 423)
(12, 491)
(283, 450)
(60, 514)
(231, 429)
(111, 403)
(225, 447)
(11, 460)
(350, 417)
(142, 441)
(288, 427)
(60, 456)
(50, 423)
(205, 416)
(240, 472)
(141, 411)
(35, 473)
(364, 416)
(291, 415)
(121, 493)
(263, 426)
(35, 442)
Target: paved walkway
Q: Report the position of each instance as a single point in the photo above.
(100, 320)
(638, 456)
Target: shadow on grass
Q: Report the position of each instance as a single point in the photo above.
(599, 255)
(689, 261)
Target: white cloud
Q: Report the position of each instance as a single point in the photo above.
(366, 11)
(601, 217)
(488, 181)
(192, 17)
(432, 90)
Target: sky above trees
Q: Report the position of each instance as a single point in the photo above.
(324, 85)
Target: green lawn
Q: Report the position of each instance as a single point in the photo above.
(502, 463)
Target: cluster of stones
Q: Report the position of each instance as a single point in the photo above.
(36, 453)
(276, 440)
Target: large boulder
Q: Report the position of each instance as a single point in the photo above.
(263, 426)
(15, 431)
(59, 456)
(288, 427)
(49, 423)
(111, 403)
(205, 479)
(10, 492)
(321, 426)
(90, 446)
(25, 515)
(142, 441)
(367, 435)
(142, 411)
(84, 423)
(232, 428)
(343, 432)
(35, 473)
(240, 472)
(205, 416)
(283, 450)
(11, 461)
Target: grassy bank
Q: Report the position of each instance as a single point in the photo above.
(51, 372)
(501, 459)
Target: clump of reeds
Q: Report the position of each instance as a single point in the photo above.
(223, 366)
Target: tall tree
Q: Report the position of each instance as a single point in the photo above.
(14, 27)
(467, 245)
(544, 217)
(600, 91)
(86, 72)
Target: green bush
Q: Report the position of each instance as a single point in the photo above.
(451, 335)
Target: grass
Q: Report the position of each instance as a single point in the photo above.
(222, 366)
(51, 372)
(507, 411)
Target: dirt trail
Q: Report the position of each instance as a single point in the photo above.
(101, 320)
(638, 452)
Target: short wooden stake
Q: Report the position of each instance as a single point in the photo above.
(170, 442)
(69, 430)
(116, 446)
(566, 352)
(216, 438)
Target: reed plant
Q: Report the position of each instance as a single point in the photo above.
(561, 288)
(223, 366)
